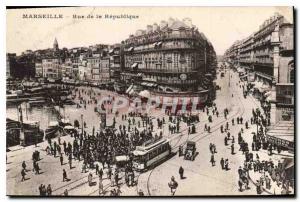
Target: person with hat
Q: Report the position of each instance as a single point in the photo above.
(173, 185)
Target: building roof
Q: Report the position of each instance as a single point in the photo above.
(178, 24)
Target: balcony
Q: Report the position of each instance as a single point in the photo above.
(260, 54)
(287, 46)
(264, 62)
(168, 71)
(162, 37)
(177, 82)
(263, 75)
(165, 48)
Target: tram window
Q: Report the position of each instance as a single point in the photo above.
(147, 157)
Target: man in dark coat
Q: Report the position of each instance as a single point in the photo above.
(222, 163)
(181, 171)
(61, 158)
(65, 178)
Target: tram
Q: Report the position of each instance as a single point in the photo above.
(151, 153)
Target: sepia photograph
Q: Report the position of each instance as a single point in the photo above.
(150, 101)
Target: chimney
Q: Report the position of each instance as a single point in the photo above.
(188, 22)
(170, 21)
(163, 24)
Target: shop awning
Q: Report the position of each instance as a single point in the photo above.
(282, 133)
(159, 43)
(128, 89)
(145, 93)
(131, 92)
(134, 65)
(288, 163)
(243, 76)
(111, 50)
(148, 84)
(130, 49)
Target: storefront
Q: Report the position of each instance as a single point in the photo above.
(282, 134)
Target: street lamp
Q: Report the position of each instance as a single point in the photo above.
(229, 78)
(81, 124)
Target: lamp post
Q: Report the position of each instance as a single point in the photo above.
(81, 124)
(229, 78)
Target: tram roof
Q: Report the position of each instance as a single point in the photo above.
(141, 150)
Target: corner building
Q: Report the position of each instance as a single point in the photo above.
(172, 58)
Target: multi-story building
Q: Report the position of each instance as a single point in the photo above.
(170, 58)
(52, 68)
(269, 55)
(93, 63)
(116, 61)
(259, 52)
(10, 64)
(104, 73)
(84, 73)
(246, 57)
(38, 69)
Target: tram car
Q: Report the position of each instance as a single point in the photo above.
(150, 154)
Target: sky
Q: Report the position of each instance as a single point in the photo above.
(221, 25)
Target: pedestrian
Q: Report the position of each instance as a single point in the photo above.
(37, 169)
(173, 185)
(117, 178)
(232, 149)
(141, 193)
(258, 187)
(212, 160)
(41, 189)
(240, 183)
(90, 179)
(24, 165)
(109, 173)
(23, 173)
(49, 190)
(97, 168)
(118, 191)
(70, 161)
(61, 158)
(222, 163)
(268, 182)
(100, 186)
(180, 151)
(181, 171)
(225, 141)
(66, 192)
(65, 175)
(112, 180)
(83, 169)
(226, 164)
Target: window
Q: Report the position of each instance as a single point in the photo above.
(291, 72)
